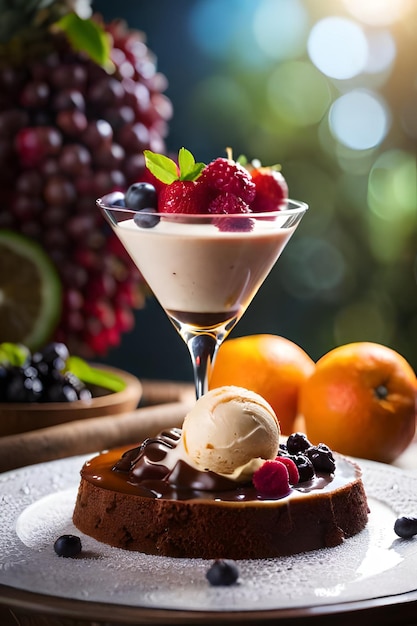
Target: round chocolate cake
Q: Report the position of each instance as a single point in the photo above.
(131, 499)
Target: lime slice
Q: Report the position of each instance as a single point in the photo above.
(30, 291)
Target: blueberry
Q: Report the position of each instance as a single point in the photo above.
(222, 572)
(52, 357)
(83, 393)
(305, 467)
(141, 196)
(68, 545)
(322, 458)
(23, 385)
(146, 219)
(297, 442)
(406, 527)
(60, 391)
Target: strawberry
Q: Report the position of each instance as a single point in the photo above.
(271, 190)
(228, 176)
(183, 196)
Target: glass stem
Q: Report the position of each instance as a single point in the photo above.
(203, 349)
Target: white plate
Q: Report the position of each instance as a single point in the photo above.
(36, 508)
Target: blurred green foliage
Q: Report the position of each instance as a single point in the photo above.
(241, 73)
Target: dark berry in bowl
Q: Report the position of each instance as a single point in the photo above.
(223, 572)
(68, 546)
(406, 527)
(23, 385)
(52, 357)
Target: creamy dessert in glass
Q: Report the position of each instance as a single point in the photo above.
(204, 241)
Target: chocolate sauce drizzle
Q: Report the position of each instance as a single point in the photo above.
(145, 468)
(143, 471)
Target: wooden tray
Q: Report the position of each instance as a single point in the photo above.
(163, 405)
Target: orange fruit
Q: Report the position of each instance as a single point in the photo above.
(361, 401)
(270, 365)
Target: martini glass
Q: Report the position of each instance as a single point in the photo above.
(203, 269)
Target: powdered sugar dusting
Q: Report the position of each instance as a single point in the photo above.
(36, 507)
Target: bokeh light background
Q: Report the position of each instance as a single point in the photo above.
(327, 88)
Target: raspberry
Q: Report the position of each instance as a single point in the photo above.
(271, 190)
(228, 203)
(293, 473)
(225, 175)
(272, 479)
(185, 196)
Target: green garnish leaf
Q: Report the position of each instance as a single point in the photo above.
(15, 354)
(195, 172)
(161, 166)
(167, 171)
(186, 161)
(242, 160)
(85, 35)
(92, 376)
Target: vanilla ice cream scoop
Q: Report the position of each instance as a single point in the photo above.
(227, 428)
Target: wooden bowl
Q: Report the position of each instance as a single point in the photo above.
(23, 417)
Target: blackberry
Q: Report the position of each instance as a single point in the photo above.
(322, 458)
(297, 442)
(305, 467)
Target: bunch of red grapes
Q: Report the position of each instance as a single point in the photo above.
(70, 131)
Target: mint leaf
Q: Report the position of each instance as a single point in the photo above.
(242, 160)
(93, 376)
(186, 161)
(161, 166)
(85, 35)
(195, 172)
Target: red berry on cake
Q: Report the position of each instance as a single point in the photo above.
(272, 479)
(271, 190)
(293, 473)
(228, 176)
